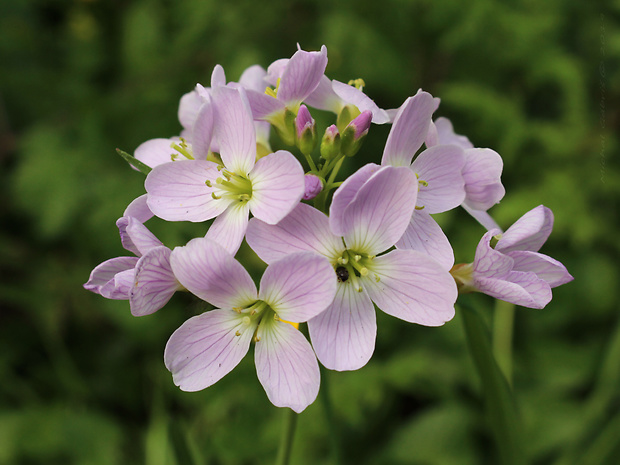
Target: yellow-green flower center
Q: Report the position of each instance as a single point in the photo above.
(231, 186)
(351, 265)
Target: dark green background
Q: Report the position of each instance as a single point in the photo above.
(83, 382)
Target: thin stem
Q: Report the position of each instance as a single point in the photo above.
(286, 440)
(334, 432)
(311, 163)
(503, 322)
(501, 407)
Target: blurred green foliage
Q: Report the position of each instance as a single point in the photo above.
(84, 382)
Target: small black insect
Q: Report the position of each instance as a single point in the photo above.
(342, 273)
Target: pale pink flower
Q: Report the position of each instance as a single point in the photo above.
(208, 346)
(482, 171)
(146, 280)
(439, 173)
(369, 213)
(198, 190)
(508, 266)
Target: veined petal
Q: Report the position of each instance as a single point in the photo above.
(189, 106)
(177, 191)
(409, 129)
(218, 77)
(136, 237)
(118, 288)
(441, 169)
(206, 347)
(354, 96)
(446, 134)
(481, 217)
(411, 286)
(207, 270)
(277, 186)
(234, 129)
(155, 152)
(490, 262)
(380, 212)
(202, 130)
(139, 209)
(524, 289)
(345, 194)
(529, 232)
(324, 97)
(253, 78)
(545, 267)
(298, 286)
(229, 228)
(425, 235)
(304, 229)
(302, 75)
(275, 70)
(105, 271)
(343, 336)
(264, 106)
(482, 172)
(286, 366)
(154, 283)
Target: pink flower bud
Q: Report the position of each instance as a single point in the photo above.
(314, 186)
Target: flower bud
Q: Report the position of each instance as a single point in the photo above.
(314, 185)
(306, 131)
(330, 144)
(355, 131)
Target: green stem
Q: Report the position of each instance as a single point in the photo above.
(286, 440)
(501, 407)
(310, 161)
(333, 431)
(503, 322)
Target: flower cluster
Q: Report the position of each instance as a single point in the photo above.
(332, 256)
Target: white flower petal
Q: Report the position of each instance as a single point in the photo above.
(206, 347)
(343, 336)
(286, 366)
(298, 286)
(412, 286)
(207, 270)
(229, 228)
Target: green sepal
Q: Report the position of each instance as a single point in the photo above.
(346, 115)
(133, 161)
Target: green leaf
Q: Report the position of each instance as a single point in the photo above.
(134, 162)
(500, 404)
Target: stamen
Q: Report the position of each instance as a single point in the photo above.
(419, 208)
(208, 183)
(423, 182)
(215, 197)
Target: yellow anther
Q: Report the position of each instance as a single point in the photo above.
(215, 197)
(342, 260)
(364, 271)
(419, 208)
(246, 320)
(357, 83)
(256, 338)
(220, 167)
(423, 182)
(208, 183)
(271, 92)
(377, 278)
(237, 333)
(237, 309)
(357, 258)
